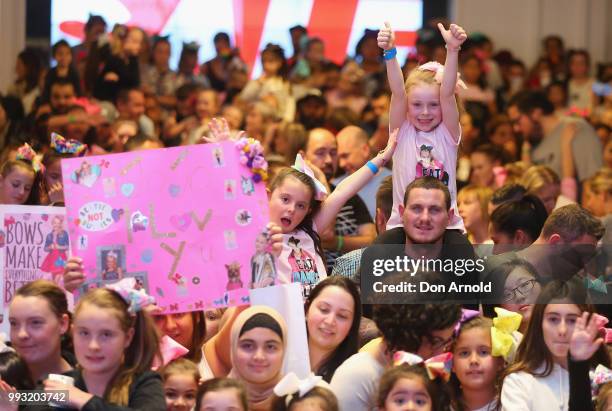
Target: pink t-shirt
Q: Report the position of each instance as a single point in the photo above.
(299, 262)
(420, 154)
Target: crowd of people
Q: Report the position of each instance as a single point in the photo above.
(460, 153)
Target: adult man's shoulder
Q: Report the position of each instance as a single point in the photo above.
(393, 236)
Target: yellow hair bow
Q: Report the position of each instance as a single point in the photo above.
(504, 325)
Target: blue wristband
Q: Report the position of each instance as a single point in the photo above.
(390, 54)
(372, 167)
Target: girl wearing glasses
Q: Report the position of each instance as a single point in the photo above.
(521, 289)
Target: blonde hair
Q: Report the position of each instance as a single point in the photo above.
(139, 355)
(536, 177)
(515, 172)
(482, 194)
(417, 77)
(601, 182)
(604, 397)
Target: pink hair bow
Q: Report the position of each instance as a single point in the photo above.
(26, 152)
(438, 366)
(170, 350)
(438, 69)
(301, 166)
(607, 335)
(466, 315)
(133, 295)
(601, 321)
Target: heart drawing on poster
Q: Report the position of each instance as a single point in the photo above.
(127, 189)
(174, 190)
(181, 222)
(117, 213)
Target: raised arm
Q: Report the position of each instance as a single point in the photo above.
(399, 103)
(454, 38)
(352, 184)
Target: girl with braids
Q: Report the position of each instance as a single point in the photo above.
(115, 343)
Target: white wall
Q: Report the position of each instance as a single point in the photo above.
(12, 38)
(519, 25)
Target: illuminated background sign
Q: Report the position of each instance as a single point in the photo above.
(250, 23)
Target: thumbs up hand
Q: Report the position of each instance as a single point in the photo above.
(454, 36)
(386, 37)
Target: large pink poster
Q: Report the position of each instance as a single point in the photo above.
(183, 221)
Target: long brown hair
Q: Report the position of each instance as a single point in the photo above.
(532, 353)
(139, 355)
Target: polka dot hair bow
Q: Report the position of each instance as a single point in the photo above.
(503, 343)
(136, 297)
(291, 385)
(438, 366)
(63, 146)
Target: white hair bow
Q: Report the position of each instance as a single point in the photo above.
(3, 347)
(291, 385)
(301, 166)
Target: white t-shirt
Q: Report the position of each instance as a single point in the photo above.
(522, 391)
(355, 382)
(420, 154)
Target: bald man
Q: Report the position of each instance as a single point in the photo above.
(353, 153)
(354, 226)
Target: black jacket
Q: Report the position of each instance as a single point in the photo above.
(146, 394)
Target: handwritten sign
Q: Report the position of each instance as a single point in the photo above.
(183, 221)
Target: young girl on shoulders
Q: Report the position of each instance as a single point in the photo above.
(115, 343)
(424, 109)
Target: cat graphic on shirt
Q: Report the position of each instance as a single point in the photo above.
(303, 266)
(427, 165)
